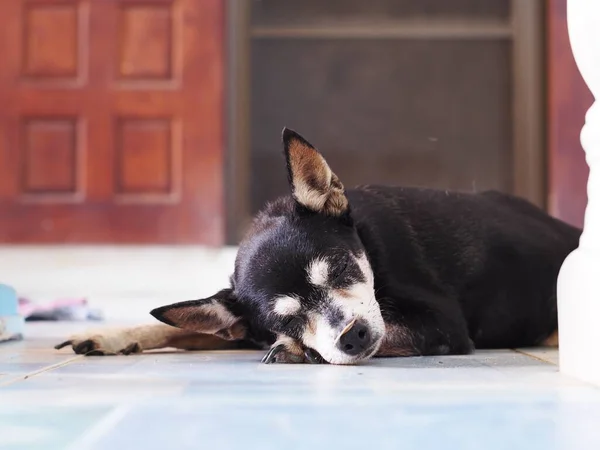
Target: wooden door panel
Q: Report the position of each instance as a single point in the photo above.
(50, 29)
(145, 156)
(112, 121)
(145, 36)
(49, 156)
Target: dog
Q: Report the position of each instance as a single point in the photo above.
(329, 275)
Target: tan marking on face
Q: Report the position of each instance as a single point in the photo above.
(345, 293)
(311, 324)
(292, 352)
(291, 345)
(551, 341)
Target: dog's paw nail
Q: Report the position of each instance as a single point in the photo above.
(131, 348)
(269, 358)
(63, 344)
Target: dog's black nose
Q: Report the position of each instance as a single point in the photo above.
(355, 340)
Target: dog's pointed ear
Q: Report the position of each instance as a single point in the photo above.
(312, 182)
(212, 315)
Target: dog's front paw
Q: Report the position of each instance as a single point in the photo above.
(286, 353)
(109, 342)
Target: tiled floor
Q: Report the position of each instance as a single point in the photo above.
(228, 400)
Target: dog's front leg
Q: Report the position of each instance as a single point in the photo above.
(288, 351)
(129, 340)
(419, 322)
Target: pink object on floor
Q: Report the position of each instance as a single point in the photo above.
(61, 309)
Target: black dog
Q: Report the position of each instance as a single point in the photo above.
(340, 276)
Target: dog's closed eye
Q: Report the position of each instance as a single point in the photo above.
(339, 268)
(292, 324)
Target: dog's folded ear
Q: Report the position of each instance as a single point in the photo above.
(312, 182)
(212, 315)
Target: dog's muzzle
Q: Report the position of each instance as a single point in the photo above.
(355, 338)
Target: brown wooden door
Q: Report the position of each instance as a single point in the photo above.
(111, 121)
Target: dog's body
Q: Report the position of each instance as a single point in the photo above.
(458, 268)
(344, 275)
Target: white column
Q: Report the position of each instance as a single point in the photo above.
(579, 278)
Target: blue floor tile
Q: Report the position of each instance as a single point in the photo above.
(228, 400)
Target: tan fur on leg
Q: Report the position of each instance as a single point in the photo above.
(396, 342)
(144, 337)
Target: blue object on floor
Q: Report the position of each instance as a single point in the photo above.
(9, 302)
(12, 324)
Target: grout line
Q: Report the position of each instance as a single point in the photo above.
(39, 371)
(100, 428)
(537, 357)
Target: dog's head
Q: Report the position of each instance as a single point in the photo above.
(301, 275)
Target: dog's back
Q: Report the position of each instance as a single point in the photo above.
(498, 256)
